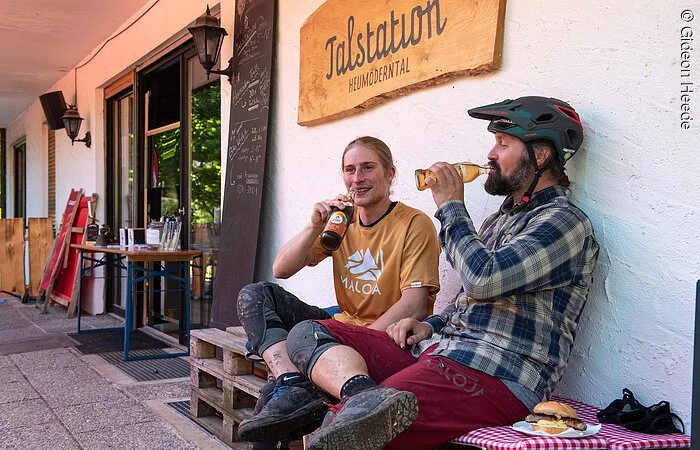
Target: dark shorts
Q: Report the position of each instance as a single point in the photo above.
(452, 399)
(267, 313)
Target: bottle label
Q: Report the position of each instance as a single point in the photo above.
(338, 218)
(337, 223)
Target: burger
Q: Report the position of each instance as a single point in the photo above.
(554, 418)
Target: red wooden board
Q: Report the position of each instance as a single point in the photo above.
(65, 280)
(59, 245)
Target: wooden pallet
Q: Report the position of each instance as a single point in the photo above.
(223, 389)
(216, 420)
(259, 368)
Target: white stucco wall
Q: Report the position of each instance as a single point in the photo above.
(617, 63)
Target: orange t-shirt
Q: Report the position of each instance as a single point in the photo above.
(375, 264)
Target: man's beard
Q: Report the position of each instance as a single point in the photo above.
(497, 184)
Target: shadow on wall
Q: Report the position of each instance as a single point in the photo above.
(584, 369)
(450, 284)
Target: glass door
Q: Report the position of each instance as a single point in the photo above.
(205, 186)
(122, 181)
(182, 116)
(165, 197)
(164, 147)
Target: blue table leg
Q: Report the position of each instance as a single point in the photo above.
(80, 289)
(186, 283)
(94, 264)
(128, 319)
(149, 274)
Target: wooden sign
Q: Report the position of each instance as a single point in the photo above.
(355, 54)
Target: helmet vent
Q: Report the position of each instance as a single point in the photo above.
(573, 137)
(543, 118)
(569, 113)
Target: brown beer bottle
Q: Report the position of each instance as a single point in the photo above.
(337, 224)
(468, 171)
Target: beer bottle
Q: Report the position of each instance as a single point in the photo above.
(337, 224)
(468, 171)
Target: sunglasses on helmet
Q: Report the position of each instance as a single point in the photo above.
(501, 124)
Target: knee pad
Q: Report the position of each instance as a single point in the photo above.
(251, 305)
(306, 342)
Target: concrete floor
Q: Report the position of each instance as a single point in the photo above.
(53, 397)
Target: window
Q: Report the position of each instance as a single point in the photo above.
(20, 180)
(52, 173)
(3, 175)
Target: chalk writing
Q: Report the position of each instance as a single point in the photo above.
(256, 32)
(238, 137)
(246, 183)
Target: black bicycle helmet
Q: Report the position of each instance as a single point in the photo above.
(535, 118)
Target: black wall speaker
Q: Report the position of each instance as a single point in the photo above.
(54, 107)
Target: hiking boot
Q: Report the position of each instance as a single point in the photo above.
(366, 421)
(265, 396)
(288, 409)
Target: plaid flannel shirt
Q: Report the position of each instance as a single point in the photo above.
(525, 279)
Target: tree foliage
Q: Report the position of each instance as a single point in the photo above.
(206, 152)
(205, 171)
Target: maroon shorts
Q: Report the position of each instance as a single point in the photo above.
(452, 399)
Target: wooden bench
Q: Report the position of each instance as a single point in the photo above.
(223, 388)
(224, 385)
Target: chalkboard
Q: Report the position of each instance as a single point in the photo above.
(247, 148)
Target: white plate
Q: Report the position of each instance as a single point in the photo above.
(525, 427)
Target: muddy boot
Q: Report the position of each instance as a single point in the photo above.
(288, 409)
(366, 421)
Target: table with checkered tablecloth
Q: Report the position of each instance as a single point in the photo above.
(610, 437)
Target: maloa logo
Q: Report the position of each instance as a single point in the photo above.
(365, 270)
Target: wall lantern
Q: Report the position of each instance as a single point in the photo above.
(71, 121)
(208, 37)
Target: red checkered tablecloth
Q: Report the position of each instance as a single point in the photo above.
(610, 437)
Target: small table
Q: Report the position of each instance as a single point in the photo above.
(132, 255)
(610, 437)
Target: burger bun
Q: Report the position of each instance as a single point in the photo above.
(554, 417)
(555, 409)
